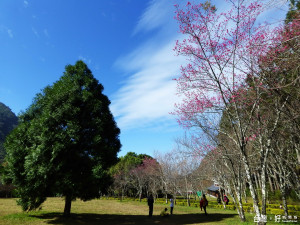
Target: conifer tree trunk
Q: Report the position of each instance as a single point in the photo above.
(68, 202)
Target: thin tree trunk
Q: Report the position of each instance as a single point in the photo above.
(259, 180)
(251, 185)
(263, 192)
(187, 192)
(239, 197)
(277, 182)
(222, 198)
(239, 207)
(245, 195)
(140, 195)
(271, 184)
(256, 180)
(297, 153)
(284, 202)
(263, 178)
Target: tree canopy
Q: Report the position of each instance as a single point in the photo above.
(128, 162)
(65, 143)
(293, 10)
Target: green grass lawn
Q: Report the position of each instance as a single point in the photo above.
(108, 212)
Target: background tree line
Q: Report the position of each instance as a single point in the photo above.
(8, 121)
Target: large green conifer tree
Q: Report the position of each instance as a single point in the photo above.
(65, 142)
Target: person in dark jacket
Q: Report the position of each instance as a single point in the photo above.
(218, 199)
(150, 204)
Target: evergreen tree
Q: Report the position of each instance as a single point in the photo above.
(293, 12)
(65, 143)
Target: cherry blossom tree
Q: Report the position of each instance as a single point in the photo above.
(224, 50)
(152, 175)
(139, 179)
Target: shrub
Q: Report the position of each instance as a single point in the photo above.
(273, 206)
(274, 195)
(193, 205)
(231, 207)
(293, 207)
(218, 206)
(248, 208)
(293, 196)
(248, 204)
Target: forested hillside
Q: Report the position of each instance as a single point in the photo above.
(8, 120)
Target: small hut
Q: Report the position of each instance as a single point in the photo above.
(213, 190)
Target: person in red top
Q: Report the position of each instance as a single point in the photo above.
(203, 203)
(226, 199)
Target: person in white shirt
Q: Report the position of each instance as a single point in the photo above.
(171, 205)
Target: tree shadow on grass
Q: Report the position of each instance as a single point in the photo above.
(112, 219)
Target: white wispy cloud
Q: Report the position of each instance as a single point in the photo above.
(147, 97)
(4, 29)
(85, 59)
(10, 34)
(25, 4)
(155, 16)
(5, 91)
(46, 33)
(35, 32)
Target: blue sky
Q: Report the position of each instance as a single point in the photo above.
(126, 43)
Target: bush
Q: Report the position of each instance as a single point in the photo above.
(293, 196)
(274, 195)
(248, 209)
(294, 207)
(248, 204)
(218, 206)
(193, 205)
(273, 206)
(276, 211)
(213, 202)
(294, 213)
(232, 207)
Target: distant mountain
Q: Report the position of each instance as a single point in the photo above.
(8, 121)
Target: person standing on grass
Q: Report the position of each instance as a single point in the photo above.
(150, 204)
(218, 199)
(203, 203)
(171, 205)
